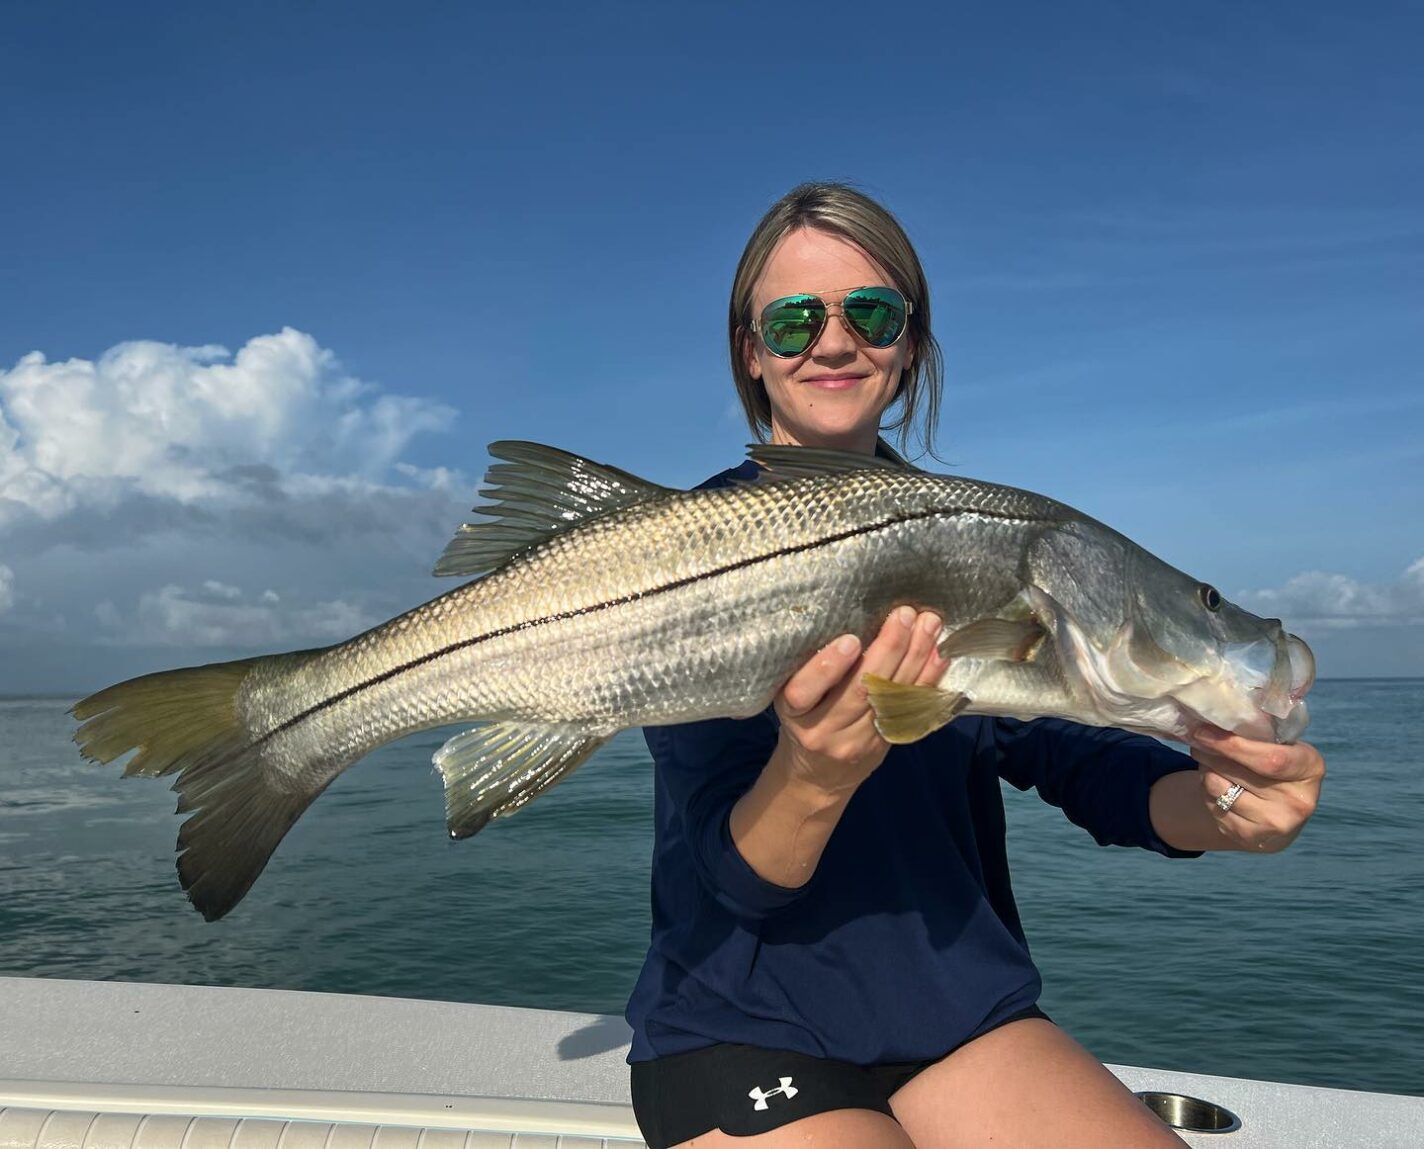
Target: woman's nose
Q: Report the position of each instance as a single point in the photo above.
(836, 339)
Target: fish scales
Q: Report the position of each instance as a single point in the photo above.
(607, 603)
(721, 592)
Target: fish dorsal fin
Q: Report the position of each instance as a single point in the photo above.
(535, 493)
(493, 770)
(778, 461)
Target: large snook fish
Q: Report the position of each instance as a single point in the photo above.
(608, 602)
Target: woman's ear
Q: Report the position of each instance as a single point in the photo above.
(905, 370)
(749, 356)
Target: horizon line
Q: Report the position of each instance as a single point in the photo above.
(57, 696)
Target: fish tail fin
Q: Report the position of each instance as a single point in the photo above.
(186, 722)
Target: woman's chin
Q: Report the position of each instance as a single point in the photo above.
(851, 430)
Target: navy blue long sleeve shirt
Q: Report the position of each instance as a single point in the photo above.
(906, 941)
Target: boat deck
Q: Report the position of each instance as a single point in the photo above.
(113, 1065)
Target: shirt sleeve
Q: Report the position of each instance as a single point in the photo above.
(703, 769)
(1099, 778)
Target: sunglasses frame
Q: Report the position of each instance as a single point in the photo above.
(756, 326)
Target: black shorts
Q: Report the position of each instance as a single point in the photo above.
(744, 1090)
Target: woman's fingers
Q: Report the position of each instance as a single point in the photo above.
(1288, 795)
(1245, 806)
(904, 651)
(1242, 820)
(806, 689)
(904, 647)
(1279, 762)
(922, 663)
(884, 655)
(1230, 769)
(1266, 819)
(824, 708)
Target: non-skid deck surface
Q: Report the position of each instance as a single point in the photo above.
(114, 1065)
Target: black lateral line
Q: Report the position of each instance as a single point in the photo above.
(561, 616)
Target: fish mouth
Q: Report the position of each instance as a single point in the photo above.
(1284, 702)
(1302, 664)
(1220, 704)
(1259, 687)
(1259, 727)
(1292, 726)
(1297, 664)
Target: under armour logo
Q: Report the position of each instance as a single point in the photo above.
(759, 1095)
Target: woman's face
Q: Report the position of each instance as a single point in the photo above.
(833, 395)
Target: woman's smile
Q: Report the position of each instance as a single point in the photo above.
(833, 382)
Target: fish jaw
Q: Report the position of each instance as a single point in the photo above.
(1302, 662)
(1261, 685)
(1253, 689)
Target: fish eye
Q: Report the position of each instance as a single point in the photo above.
(1210, 597)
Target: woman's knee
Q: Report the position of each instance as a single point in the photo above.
(1027, 1084)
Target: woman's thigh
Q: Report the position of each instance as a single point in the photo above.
(836, 1129)
(1029, 1085)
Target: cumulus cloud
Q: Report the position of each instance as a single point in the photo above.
(193, 496)
(196, 425)
(221, 615)
(1338, 601)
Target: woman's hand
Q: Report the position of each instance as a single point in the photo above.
(828, 746)
(1282, 787)
(827, 726)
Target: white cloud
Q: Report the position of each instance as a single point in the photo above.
(435, 478)
(195, 424)
(192, 497)
(218, 615)
(1339, 601)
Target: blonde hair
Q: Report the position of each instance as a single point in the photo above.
(841, 210)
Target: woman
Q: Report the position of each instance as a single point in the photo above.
(836, 957)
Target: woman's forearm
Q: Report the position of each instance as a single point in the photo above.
(781, 825)
(828, 746)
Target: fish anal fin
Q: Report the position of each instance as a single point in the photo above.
(493, 770)
(1007, 639)
(536, 492)
(906, 713)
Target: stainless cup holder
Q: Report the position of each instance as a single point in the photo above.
(1190, 1113)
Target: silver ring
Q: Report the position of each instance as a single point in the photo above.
(1227, 800)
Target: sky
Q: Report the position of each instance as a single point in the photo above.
(273, 275)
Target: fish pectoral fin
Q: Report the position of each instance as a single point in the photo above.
(905, 713)
(535, 493)
(781, 462)
(1007, 639)
(494, 770)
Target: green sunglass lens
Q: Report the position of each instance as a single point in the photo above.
(877, 314)
(789, 326)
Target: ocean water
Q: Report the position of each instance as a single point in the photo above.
(1306, 966)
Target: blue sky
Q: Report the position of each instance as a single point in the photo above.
(1175, 255)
